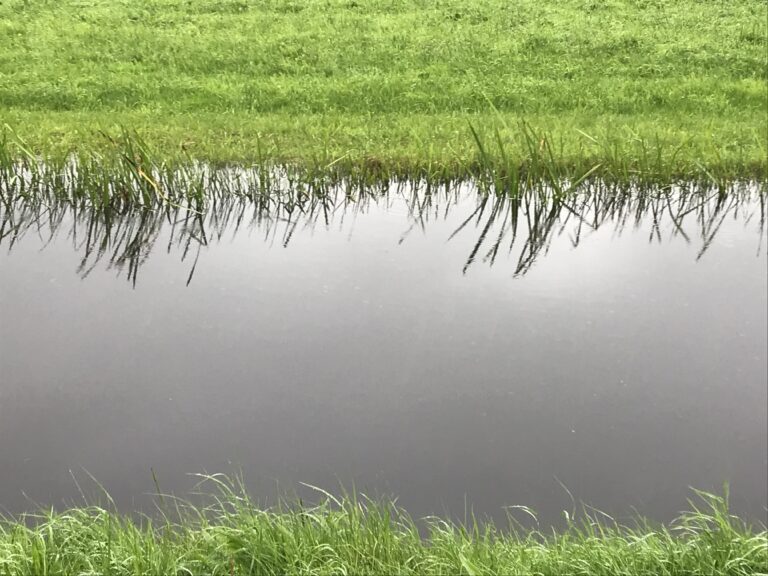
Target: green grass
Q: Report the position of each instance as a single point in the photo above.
(651, 87)
(231, 535)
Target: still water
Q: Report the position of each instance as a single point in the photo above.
(456, 351)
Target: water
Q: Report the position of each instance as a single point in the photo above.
(453, 352)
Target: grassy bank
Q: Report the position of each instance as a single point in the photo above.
(357, 536)
(660, 88)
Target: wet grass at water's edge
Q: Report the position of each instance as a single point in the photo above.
(130, 171)
(228, 533)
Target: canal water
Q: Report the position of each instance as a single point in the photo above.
(454, 350)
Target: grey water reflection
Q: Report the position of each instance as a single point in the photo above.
(452, 348)
(518, 229)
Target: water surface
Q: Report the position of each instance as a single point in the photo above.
(448, 348)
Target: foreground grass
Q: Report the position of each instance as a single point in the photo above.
(394, 84)
(358, 536)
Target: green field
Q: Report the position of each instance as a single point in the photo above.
(665, 89)
(233, 536)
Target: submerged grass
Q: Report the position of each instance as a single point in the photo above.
(231, 535)
(661, 89)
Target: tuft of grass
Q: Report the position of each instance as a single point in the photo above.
(229, 534)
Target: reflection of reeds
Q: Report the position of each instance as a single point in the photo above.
(523, 224)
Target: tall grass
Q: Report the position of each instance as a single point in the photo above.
(228, 533)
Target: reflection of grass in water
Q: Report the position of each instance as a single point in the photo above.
(520, 225)
(227, 533)
(541, 216)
